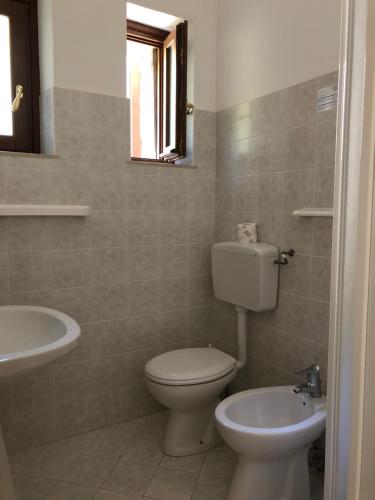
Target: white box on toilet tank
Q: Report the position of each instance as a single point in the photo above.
(245, 275)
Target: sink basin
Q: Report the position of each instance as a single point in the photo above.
(30, 337)
(271, 429)
(33, 336)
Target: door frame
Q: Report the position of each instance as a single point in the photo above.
(352, 317)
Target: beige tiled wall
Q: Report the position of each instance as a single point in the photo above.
(135, 273)
(274, 155)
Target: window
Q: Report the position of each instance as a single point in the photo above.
(19, 76)
(157, 81)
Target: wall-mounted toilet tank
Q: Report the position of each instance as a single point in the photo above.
(246, 275)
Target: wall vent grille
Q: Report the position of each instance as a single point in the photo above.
(327, 98)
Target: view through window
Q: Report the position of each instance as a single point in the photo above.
(143, 75)
(157, 88)
(19, 76)
(6, 118)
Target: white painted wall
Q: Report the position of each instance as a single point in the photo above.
(83, 45)
(239, 49)
(88, 45)
(268, 45)
(46, 56)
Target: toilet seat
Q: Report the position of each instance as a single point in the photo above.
(189, 366)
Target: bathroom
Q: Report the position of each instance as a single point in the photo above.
(120, 246)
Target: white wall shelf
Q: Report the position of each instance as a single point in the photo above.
(44, 210)
(314, 212)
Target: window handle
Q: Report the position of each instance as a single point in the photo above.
(189, 108)
(17, 99)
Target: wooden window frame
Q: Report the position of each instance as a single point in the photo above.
(149, 35)
(181, 69)
(157, 37)
(26, 122)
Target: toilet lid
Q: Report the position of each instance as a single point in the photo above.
(189, 366)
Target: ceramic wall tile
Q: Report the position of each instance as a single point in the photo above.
(276, 154)
(136, 272)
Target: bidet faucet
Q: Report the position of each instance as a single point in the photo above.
(313, 385)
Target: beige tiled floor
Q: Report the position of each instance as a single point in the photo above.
(123, 462)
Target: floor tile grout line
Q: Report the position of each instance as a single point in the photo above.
(195, 485)
(58, 482)
(109, 472)
(150, 481)
(112, 469)
(50, 491)
(119, 460)
(64, 481)
(61, 479)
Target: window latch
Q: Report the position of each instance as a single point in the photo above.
(189, 108)
(17, 99)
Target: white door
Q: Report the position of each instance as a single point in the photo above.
(350, 465)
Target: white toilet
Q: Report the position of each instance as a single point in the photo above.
(189, 381)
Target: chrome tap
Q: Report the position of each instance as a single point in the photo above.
(313, 385)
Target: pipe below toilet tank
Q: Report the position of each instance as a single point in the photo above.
(241, 337)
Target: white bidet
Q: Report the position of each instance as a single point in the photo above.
(271, 429)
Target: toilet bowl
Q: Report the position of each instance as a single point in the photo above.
(189, 382)
(271, 429)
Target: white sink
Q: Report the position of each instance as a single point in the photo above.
(271, 429)
(30, 337)
(33, 336)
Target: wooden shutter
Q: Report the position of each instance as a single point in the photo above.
(175, 93)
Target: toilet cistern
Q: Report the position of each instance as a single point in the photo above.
(245, 276)
(313, 387)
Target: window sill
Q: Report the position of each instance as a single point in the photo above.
(162, 164)
(15, 154)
